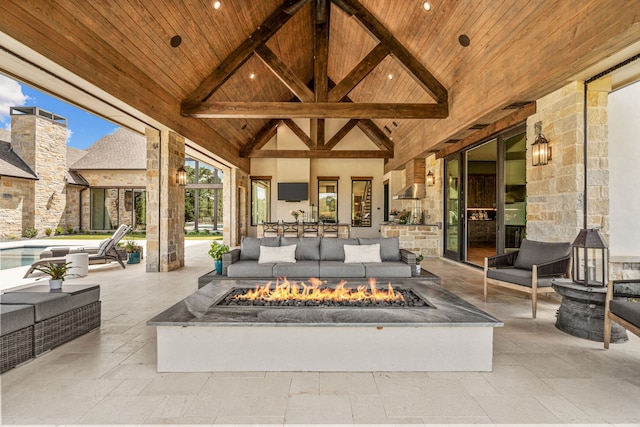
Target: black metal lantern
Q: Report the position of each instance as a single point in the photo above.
(540, 150)
(431, 179)
(181, 176)
(590, 259)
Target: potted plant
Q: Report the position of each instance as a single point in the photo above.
(56, 273)
(392, 214)
(419, 258)
(216, 251)
(133, 250)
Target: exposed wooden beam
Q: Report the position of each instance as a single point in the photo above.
(322, 17)
(511, 120)
(240, 55)
(321, 154)
(263, 136)
(299, 133)
(318, 131)
(415, 68)
(344, 130)
(359, 72)
(326, 110)
(285, 74)
(375, 134)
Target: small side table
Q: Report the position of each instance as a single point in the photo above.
(79, 263)
(581, 312)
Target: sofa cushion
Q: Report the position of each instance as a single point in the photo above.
(361, 253)
(535, 253)
(250, 246)
(389, 247)
(331, 249)
(15, 317)
(249, 268)
(518, 276)
(340, 270)
(274, 255)
(628, 310)
(308, 248)
(387, 269)
(301, 269)
(46, 305)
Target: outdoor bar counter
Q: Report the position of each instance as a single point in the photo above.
(420, 238)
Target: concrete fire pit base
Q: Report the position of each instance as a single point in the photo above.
(196, 335)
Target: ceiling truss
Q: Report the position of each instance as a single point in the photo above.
(326, 100)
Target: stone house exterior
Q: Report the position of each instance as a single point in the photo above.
(46, 185)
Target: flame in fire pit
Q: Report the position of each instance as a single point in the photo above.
(291, 291)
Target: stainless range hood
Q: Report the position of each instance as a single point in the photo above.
(411, 191)
(415, 178)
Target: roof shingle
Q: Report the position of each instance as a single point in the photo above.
(123, 149)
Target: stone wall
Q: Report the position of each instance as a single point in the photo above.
(16, 206)
(112, 179)
(41, 143)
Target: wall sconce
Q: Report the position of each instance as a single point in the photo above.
(431, 179)
(541, 151)
(181, 176)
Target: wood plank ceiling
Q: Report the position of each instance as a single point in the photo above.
(518, 51)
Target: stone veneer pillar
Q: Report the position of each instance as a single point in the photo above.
(165, 202)
(555, 191)
(40, 141)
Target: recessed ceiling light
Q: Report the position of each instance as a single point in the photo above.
(427, 6)
(175, 41)
(464, 40)
(252, 76)
(390, 76)
(216, 5)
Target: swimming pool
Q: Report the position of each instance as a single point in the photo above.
(17, 257)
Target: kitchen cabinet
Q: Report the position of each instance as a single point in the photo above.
(481, 191)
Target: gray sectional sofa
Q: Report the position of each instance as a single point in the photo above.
(320, 257)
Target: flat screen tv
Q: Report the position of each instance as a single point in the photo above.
(293, 191)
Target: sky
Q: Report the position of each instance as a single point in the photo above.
(83, 129)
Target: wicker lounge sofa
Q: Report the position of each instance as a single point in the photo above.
(35, 320)
(622, 305)
(319, 257)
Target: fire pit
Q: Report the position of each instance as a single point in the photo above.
(285, 293)
(436, 331)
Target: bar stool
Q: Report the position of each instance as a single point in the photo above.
(270, 229)
(309, 229)
(289, 229)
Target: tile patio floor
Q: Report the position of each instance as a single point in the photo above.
(540, 376)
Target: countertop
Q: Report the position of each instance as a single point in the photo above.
(412, 225)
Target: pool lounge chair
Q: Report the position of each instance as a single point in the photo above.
(106, 252)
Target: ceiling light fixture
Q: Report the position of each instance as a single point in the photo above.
(175, 41)
(426, 6)
(464, 40)
(390, 76)
(252, 76)
(216, 5)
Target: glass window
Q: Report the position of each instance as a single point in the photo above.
(111, 207)
(361, 203)
(328, 200)
(260, 201)
(203, 196)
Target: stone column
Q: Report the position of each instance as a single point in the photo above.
(165, 201)
(555, 191)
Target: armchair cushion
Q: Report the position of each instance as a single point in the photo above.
(628, 310)
(516, 275)
(533, 253)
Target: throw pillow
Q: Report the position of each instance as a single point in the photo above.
(277, 254)
(361, 253)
